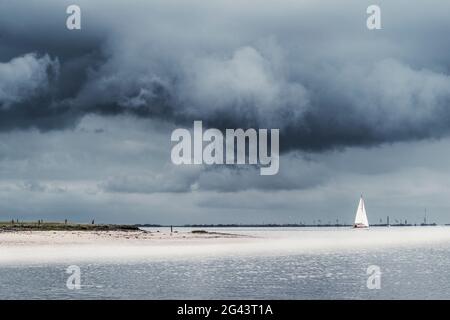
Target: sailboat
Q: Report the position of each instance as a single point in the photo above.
(361, 216)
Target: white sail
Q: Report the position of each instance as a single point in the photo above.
(361, 216)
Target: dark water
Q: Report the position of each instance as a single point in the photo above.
(406, 274)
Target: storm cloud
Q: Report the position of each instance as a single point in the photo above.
(326, 81)
(25, 77)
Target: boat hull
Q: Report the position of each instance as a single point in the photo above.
(360, 226)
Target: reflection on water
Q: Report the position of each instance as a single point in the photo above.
(406, 273)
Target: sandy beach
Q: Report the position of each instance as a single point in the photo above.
(37, 238)
(32, 247)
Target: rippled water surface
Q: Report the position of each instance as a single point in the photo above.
(407, 273)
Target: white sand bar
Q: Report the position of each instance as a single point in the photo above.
(38, 247)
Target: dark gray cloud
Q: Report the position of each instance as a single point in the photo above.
(296, 173)
(311, 69)
(25, 78)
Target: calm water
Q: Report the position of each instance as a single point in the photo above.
(407, 273)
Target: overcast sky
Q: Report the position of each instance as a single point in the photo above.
(86, 115)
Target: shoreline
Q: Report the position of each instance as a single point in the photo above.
(12, 226)
(31, 247)
(67, 237)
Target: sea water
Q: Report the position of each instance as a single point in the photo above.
(407, 272)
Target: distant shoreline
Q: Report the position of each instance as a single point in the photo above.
(278, 225)
(63, 226)
(70, 226)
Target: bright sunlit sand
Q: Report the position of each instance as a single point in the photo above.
(31, 247)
